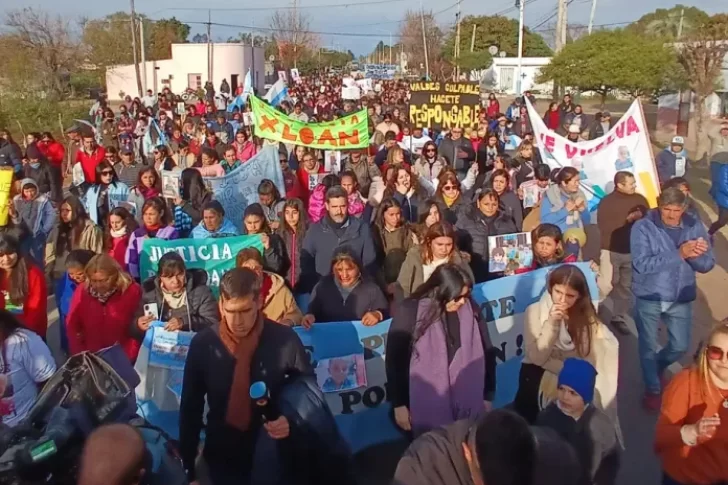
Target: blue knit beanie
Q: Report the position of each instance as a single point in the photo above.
(579, 375)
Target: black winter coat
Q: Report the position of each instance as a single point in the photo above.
(473, 230)
(200, 312)
(454, 212)
(327, 304)
(47, 180)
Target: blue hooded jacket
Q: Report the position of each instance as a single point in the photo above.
(659, 273)
(226, 229)
(719, 179)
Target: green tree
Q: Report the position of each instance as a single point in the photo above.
(495, 30)
(612, 60)
(162, 34)
(476, 60)
(665, 23)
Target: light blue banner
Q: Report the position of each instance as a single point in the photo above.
(364, 414)
(380, 71)
(238, 189)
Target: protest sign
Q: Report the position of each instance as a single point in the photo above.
(363, 413)
(214, 255)
(6, 182)
(444, 105)
(295, 75)
(509, 252)
(170, 184)
(380, 71)
(348, 132)
(351, 92)
(625, 147)
(169, 349)
(365, 85)
(239, 188)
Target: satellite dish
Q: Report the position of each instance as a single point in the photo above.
(493, 50)
(272, 58)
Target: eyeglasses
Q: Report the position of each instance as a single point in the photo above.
(715, 353)
(448, 188)
(461, 298)
(430, 150)
(107, 172)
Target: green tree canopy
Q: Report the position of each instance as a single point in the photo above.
(494, 30)
(609, 60)
(665, 23)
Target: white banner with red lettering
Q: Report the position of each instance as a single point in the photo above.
(626, 147)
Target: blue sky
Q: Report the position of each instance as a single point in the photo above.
(371, 20)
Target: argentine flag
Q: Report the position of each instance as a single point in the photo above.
(277, 93)
(241, 99)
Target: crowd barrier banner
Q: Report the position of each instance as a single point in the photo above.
(626, 147)
(364, 414)
(6, 182)
(444, 105)
(238, 189)
(380, 71)
(214, 255)
(348, 132)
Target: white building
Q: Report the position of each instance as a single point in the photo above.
(505, 70)
(189, 67)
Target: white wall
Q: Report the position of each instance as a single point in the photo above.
(227, 59)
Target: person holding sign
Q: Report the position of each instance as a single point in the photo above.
(478, 223)
(439, 368)
(563, 324)
(278, 302)
(346, 294)
(178, 296)
(102, 309)
(194, 194)
(564, 203)
(308, 173)
(274, 252)
(222, 362)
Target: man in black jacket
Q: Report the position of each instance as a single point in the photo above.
(222, 363)
(38, 168)
(458, 151)
(337, 229)
(496, 449)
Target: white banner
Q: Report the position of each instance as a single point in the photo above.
(626, 147)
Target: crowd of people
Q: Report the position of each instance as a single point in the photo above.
(402, 231)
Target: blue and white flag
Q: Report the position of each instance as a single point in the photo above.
(242, 98)
(149, 143)
(277, 93)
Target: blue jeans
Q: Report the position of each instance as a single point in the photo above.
(677, 317)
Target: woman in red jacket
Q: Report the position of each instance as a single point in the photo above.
(23, 286)
(118, 231)
(309, 166)
(54, 151)
(102, 309)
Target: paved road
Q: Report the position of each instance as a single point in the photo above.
(639, 464)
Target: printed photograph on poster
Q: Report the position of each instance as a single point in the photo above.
(532, 194)
(248, 119)
(169, 349)
(283, 76)
(332, 161)
(341, 373)
(295, 75)
(509, 252)
(170, 184)
(315, 179)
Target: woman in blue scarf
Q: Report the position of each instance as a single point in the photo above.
(106, 194)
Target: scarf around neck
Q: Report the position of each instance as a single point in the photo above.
(239, 406)
(449, 201)
(102, 297)
(443, 392)
(148, 192)
(117, 234)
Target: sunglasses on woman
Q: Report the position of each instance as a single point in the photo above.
(715, 353)
(448, 188)
(430, 150)
(107, 172)
(462, 298)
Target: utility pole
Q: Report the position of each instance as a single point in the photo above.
(520, 4)
(457, 43)
(680, 25)
(134, 48)
(564, 21)
(472, 40)
(591, 16)
(209, 45)
(143, 49)
(559, 44)
(390, 48)
(295, 34)
(424, 40)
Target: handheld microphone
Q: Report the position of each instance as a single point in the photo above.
(260, 395)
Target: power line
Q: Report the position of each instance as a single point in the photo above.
(284, 7)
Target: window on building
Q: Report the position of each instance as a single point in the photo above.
(194, 81)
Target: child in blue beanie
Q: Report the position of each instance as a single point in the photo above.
(586, 427)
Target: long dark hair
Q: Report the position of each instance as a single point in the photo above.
(129, 221)
(582, 315)
(69, 233)
(9, 324)
(445, 284)
(18, 278)
(379, 226)
(100, 168)
(157, 179)
(257, 210)
(551, 231)
(302, 225)
(158, 204)
(192, 187)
